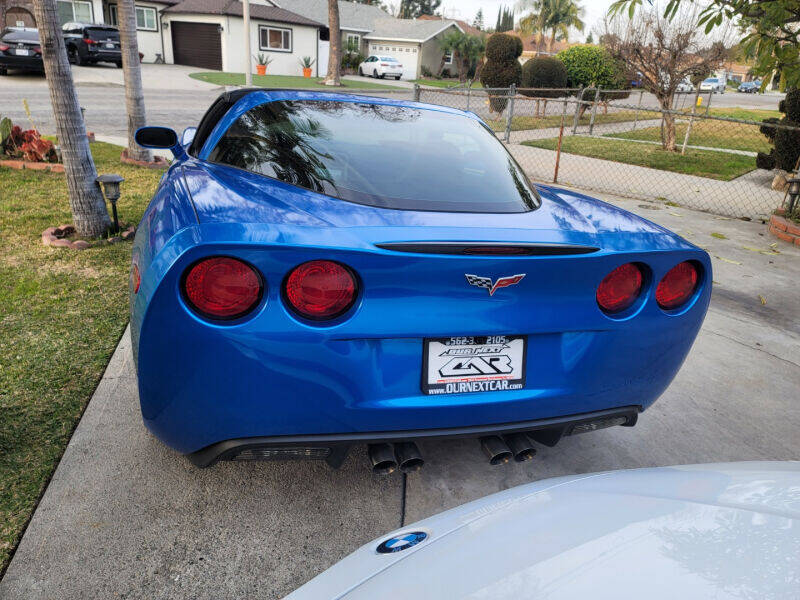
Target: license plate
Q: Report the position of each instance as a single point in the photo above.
(459, 365)
(23, 52)
(109, 45)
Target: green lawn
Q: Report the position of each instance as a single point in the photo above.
(445, 83)
(524, 122)
(714, 134)
(63, 312)
(705, 163)
(284, 81)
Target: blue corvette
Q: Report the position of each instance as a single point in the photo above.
(319, 270)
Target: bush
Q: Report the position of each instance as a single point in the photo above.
(590, 66)
(786, 142)
(28, 144)
(544, 72)
(502, 67)
(426, 72)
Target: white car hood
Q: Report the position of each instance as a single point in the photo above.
(705, 531)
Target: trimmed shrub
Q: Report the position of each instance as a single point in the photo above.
(589, 66)
(786, 142)
(544, 72)
(502, 67)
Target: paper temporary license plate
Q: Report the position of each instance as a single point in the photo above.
(459, 365)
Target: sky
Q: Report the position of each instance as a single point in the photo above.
(466, 9)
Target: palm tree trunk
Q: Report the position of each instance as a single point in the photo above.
(89, 212)
(132, 73)
(335, 56)
(551, 40)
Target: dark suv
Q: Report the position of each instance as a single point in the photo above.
(20, 49)
(89, 44)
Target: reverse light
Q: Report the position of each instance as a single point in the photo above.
(222, 287)
(320, 289)
(620, 288)
(677, 286)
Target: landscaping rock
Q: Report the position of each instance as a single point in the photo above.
(80, 245)
(779, 182)
(159, 162)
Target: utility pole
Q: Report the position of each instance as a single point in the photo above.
(248, 71)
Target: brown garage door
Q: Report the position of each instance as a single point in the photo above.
(196, 44)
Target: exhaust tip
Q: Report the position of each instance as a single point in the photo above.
(521, 447)
(382, 458)
(496, 449)
(408, 457)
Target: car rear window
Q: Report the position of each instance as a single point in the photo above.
(102, 34)
(380, 155)
(20, 35)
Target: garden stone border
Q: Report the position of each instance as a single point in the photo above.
(33, 166)
(56, 236)
(159, 162)
(784, 229)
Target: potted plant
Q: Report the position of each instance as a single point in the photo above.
(262, 62)
(306, 62)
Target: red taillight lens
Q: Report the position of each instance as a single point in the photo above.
(3, 47)
(88, 41)
(320, 289)
(620, 288)
(136, 278)
(677, 286)
(37, 49)
(222, 287)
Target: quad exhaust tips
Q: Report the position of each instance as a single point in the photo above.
(501, 450)
(386, 458)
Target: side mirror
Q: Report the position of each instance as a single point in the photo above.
(159, 137)
(187, 137)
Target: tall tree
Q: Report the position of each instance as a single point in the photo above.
(477, 22)
(505, 19)
(553, 17)
(88, 208)
(132, 73)
(411, 9)
(335, 44)
(771, 30)
(662, 53)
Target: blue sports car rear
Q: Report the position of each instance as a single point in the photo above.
(318, 270)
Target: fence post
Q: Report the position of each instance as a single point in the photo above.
(577, 111)
(416, 92)
(560, 137)
(691, 120)
(708, 106)
(469, 89)
(513, 91)
(594, 109)
(638, 108)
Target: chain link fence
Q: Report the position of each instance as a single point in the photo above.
(613, 141)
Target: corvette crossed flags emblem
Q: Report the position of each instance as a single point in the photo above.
(486, 282)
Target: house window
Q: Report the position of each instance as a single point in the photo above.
(448, 57)
(146, 18)
(112, 15)
(274, 39)
(74, 11)
(353, 41)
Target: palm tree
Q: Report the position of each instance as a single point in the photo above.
(555, 16)
(88, 208)
(132, 73)
(335, 50)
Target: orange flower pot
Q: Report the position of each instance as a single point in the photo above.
(306, 71)
(261, 69)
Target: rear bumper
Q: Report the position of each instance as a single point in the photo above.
(333, 448)
(29, 63)
(105, 56)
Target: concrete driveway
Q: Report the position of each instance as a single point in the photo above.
(125, 517)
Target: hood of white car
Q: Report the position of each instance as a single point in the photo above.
(705, 531)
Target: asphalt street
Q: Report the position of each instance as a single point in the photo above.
(125, 517)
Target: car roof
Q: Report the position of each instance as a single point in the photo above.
(247, 98)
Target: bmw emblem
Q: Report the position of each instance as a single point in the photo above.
(401, 542)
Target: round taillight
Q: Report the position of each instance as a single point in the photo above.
(677, 286)
(320, 289)
(620, 288)
(136, 278)
(222, 287)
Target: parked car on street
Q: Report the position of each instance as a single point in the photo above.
(724, 531)
(685, 87)
(318, 270)
(749, 87)
(381, 67)
(88, 44)
(715, 85)
(20, 49)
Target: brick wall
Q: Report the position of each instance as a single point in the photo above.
(12, 11)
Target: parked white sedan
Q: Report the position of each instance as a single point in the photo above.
(720, 531)
(381, 66)
(715, 85)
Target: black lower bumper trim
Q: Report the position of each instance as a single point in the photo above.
(545, 431)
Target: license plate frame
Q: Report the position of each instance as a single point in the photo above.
(496, 363)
